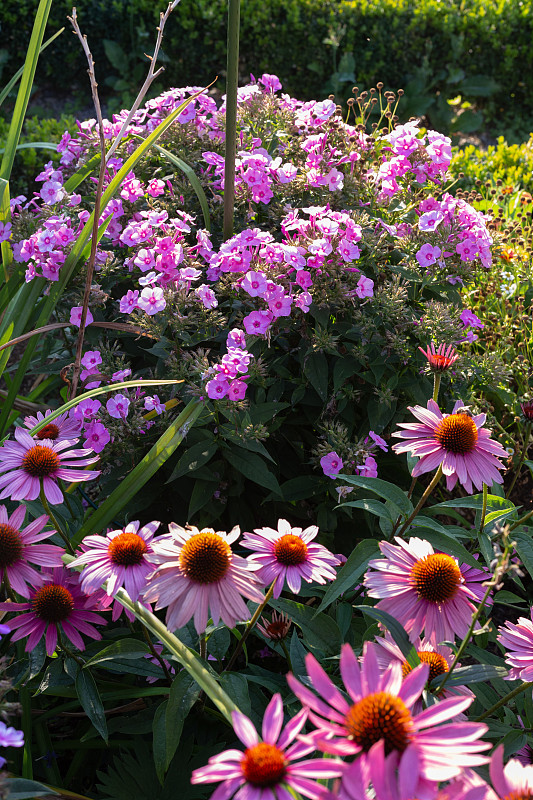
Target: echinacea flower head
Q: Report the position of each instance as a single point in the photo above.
(527, 409)
(457, 442)
(26, 463)
(122, 558)
(424, 590)
(62, 427)
(514, 781)
(196, 573)
(19, 549)
(265, 770)
(289, 554)
(440, 359)
(518, 641)
(59, 602)
(381, 708)
(277, 629)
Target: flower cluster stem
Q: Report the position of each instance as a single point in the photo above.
(232, 80)
(249, 628)
(484, 508)
(436, 385)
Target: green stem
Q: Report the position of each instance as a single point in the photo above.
(523, 455)
(156, 655)
(434, 482)
(232, 80)
(484, 508)
(249, 628)
(466, 639)
(504, 700)
(56, 524)
(521, 521)
(436, 385)
(287, 656)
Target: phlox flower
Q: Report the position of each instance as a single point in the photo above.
(469, 319)
(369, 468)
(237, 390)
(129, 301)
(26, 463)
(455, 441)
(425, 590)
(254, 283)
(264, 771)
(257, 322)
(58, 602)
(381, 708)
(9, 737)
(118, 406)
(196, 573)
(289, 554)
(97, 436)
(379, 441)
(86, 410)
(365, 287)
(122, 558)
(331, 464)
(75, 316)
(62, 427)
(5, 231)
(19, 549)
(154, 404)
(428, 255)
(517, 638)
(217, 388)
(151, 300)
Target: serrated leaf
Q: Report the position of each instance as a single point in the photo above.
(320, 631)
(252, 467)
(349, 574)
(396, 630)
(401, 505)
(91, 701)
(124, 648)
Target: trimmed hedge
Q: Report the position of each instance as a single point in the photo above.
(436, 49)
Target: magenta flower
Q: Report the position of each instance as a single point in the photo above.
(331, 464)
(75, 316)
(425, 590)
(97, 436)
(264, 770)
(512, 782)
(518, 639)
(197, 573)
(118, 406)
(58, 602)
(122, 558)
(26, 463)
(381, 709)
(62, 427)
(455, 441)
(18, 549)
(288, 555)
(9, 737)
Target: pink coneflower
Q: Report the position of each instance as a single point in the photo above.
(277, 629)
(512, 782)
(198, 572)
(26, 463)
(122, 558)
(440, 359)
(527, 409)
(425, 590)
(519, 640)
(382, 709)
(264, 770)
(455, 441)
(58, 602)
(17, 548)
(62, 427)
(288, 555)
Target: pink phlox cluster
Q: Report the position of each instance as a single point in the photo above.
(228, 376)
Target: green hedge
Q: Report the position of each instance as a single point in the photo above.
(437, 49)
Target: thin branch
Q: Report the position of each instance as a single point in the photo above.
(150, 78)
(99, 189)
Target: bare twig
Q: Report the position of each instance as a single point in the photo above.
(150, 78)
(94, 240)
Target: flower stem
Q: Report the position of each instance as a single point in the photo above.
(249, 627)
(523, 455)
(287, 656)
(503, 700)
(466, 639)
(58, 527)
(484, 508)
(155, 654)
(434, 482)
(436, 385)
(521, 521)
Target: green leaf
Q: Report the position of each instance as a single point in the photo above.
(372, 506)
(14, 80)
(437, 535)
(401, 505)
(193, 180)
(320, 631)
(316, 371)
(141, 474)
(236, 687)
(397, 632)
(497, 515)
(349, 574)
(169, 720)
(91, 702)
(124, 648)
(474, 673)
(252, 467)
(201, 494)
(524, 547)
(302, 487)
(193, 458)
(479, 86)
(22, 789)
(474, 501)
(159, 741)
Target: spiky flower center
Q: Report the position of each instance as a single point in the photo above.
(40, 461)
(440, 363)
(437, 664)
(205, 557)
(49, 431)
(52, 603)
(127, 549)
(10, 545)
(457, 433)
(290, 550)
(263, 764)
(436, 577)
(380, 716)
(519, 796)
